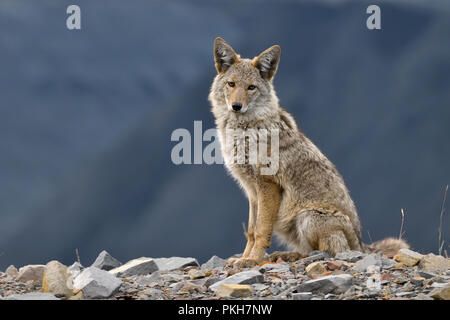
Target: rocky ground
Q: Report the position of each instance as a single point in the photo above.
(351, 275)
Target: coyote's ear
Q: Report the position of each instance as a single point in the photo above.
(267, 62)
(224, 55)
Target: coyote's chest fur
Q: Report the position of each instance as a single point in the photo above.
(247, 147)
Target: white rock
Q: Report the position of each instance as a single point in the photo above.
(333, 283)
(168, 264)
(368, 261)
(96, 283)
(75, 269)
(244, 277)
(438, 284)
(214, 263)
(350, 255)
(275, 267)
(302, 296)
(140, 266)
(106, 262)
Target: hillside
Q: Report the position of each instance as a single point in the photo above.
(86, 120)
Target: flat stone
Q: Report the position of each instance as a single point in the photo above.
(244, 277)
(234, 290)
(32, 296)
(174, 277)
(367, 261)
(350, 255)
(327, 284)
(274, 267)
(405, 294)
(324, 254)
(387, 263)
(198, 282)
(196, 274)
(408, 257)
(57, 280)
(168, 264)
(12, 271)
(313, 258)
(211, 280)
(106, 262)
(441, 293)
(96, 283)
(33, 272)
(435, 263)
(315, 269)
(214, 263)
(139, 266)
(302, 296)
(438, 284)
(147, 280)
(427, 275)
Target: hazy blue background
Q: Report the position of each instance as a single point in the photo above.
(86, 118)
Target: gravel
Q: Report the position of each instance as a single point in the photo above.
(350, 275)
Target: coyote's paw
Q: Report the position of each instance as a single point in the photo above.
(231, 261)
(285, 256)
(245, 263)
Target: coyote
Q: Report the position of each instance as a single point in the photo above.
(306, 202)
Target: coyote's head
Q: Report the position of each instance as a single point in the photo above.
(244, 86)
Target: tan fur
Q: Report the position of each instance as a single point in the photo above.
(388, 246)
(306, 202)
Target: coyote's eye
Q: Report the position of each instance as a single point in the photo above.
(251, 87)
(231, 84)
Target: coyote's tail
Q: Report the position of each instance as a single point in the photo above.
(387, 246)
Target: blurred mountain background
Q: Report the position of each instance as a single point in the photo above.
(86, 118)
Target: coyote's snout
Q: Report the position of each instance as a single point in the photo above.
(305, 201)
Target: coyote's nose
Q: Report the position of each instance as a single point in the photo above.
(236, 106)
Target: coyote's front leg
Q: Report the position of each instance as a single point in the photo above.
(268, 197)
(250, 232)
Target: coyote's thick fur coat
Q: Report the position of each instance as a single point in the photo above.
(305, 202)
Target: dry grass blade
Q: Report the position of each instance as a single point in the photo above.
(440, 241)
(370, 238)
(78, 255)
(401, 226)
